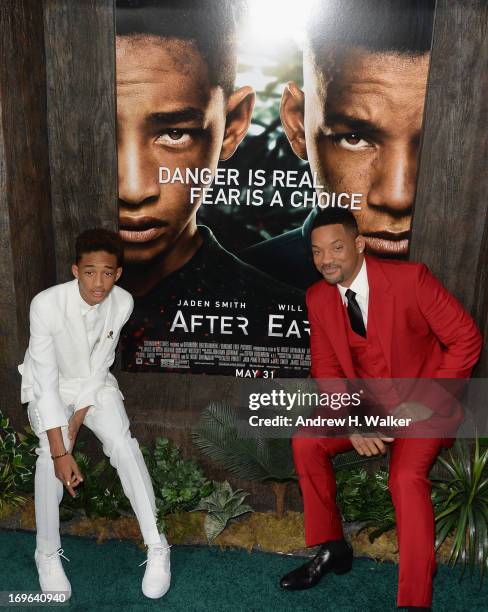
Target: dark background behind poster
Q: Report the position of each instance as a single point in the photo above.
(58, 175)
(264, 148)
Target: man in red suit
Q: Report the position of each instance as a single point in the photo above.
(373, 318)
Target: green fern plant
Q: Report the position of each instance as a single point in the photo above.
(17, 460)
(461, 505)
(100, 494)
(179, 484)
(9, 498)
(251, 458)
(362, 496)
(222, 505)
(28, 442)
(217, 436)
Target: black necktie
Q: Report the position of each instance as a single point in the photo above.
(354, 312)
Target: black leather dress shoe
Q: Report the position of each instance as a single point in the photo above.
(333, 556)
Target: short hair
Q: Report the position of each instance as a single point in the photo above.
(210, 24)
(99, 239)
(397, 26)
(336, 216)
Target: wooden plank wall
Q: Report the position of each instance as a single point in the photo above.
(26, 232)
(80, 66)
(450, 226)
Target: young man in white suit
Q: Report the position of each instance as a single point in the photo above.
(74, 330)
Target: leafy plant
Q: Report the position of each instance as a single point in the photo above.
(251, 458)
(352, 459)
(221, 506)
(461, 505)
(27, 448)
(365, 497)
(8, 495)
(179, 484)
(17, 461)
(100, 494)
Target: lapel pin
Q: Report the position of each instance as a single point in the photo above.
(110, 335)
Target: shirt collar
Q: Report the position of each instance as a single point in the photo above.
(359, 285)
(84, 306)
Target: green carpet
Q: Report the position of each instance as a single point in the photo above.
(107, 577)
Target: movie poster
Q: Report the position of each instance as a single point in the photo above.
(236, 122)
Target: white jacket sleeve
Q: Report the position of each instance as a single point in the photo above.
(44, 369)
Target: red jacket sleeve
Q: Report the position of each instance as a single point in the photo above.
(461, 341)
(452, 325)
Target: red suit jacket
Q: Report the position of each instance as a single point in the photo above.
(423, 330)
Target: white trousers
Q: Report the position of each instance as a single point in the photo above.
(109, 422)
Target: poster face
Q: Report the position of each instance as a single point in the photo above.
(236, 123)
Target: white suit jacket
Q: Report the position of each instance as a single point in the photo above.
(58, 369)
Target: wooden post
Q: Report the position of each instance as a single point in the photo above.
(26, 252)
(80, 53)
(450, 226)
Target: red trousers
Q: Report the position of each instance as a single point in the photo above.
(410, 463)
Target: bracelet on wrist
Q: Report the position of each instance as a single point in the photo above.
(59, 456)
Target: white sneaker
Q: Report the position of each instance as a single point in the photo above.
(51, 572)
(157, 576)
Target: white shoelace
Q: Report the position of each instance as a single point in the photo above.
(56, 554)
(155, 551)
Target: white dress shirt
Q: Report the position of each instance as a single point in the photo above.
(94, 319)
(360, 286)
